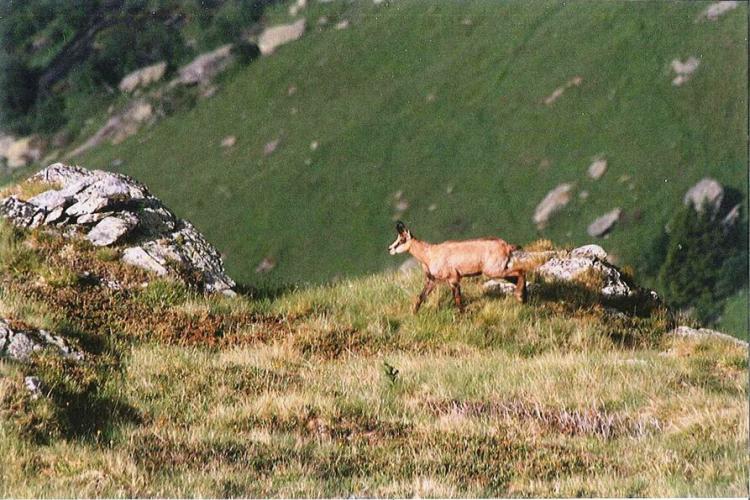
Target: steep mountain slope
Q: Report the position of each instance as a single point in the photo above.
(445, 103)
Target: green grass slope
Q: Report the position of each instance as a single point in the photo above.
(444, 102)
(338, 390)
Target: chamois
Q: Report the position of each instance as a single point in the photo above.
(452, 260)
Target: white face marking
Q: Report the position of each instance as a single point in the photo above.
(398, 246)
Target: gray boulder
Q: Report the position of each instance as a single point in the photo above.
(700, 333)
(276, 36)
(19, 345)
(597, 168)
(110, 229)
(589, 252)
(119, 127)
(143, 77)
(204, 67)
(499, 287)
(22, 213)
(571, 268)
(706, 194)
(33, 385)
(109, 207)
(602, 225)
(552, 203)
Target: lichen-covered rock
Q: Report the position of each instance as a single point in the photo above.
(589, 251)
(571, 268)
(111, 229)
(110, 208)
(22, 213)
(20, 344)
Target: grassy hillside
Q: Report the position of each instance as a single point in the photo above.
(444, 102)
(338, 390)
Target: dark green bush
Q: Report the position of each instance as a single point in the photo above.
(706, 261)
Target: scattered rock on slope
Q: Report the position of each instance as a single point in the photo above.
(597, 168)
(18, 344)
(276, 36)
(552, 203)
(116, 209)
(204, 67)
(603, 224)
(119, 127)
(705, 194)
(684, 70)
(21, 152)
(573, 82)
(716, 10)
(143, 77)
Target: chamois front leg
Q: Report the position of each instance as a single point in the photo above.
(429, 285)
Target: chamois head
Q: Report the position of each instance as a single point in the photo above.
(403, 240)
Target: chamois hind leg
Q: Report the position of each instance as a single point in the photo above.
(519, 278)
(429, 285)
(520, 291)
(456, 289)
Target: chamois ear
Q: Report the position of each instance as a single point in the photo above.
(400, 228)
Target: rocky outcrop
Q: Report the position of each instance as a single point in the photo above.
(572, 266)
(143, 77)
(552, 203)
(114, 209)
(276, 36)
(706, 194)
(19, 344)
(602, 225)
(119, 127)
